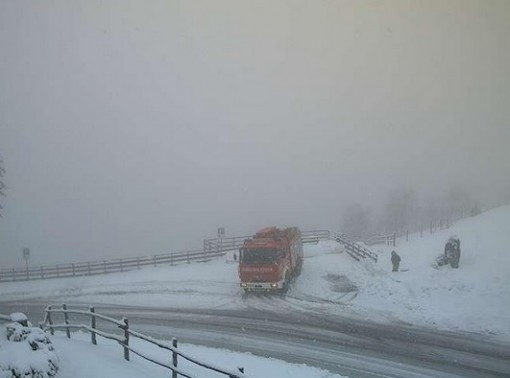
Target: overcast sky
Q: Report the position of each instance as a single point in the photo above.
(139, 127)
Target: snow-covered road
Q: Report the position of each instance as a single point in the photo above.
(355, 348)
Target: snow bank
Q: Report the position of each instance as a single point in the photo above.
(28, 352)
(76, 356)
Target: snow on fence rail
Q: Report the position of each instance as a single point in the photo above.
(123, 340)
(354, 250)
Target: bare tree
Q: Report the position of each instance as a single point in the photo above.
(2, 185)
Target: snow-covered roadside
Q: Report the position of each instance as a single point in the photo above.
(473, 298)
(80, 359)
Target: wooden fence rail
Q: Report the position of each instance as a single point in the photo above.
(389, 239)
(123, 339)
(212, 248)
(105, 266)
(354, 250)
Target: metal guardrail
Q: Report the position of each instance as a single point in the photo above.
(354, 250)
(124, 337)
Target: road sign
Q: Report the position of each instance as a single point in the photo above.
(221, 232)
(26, 253)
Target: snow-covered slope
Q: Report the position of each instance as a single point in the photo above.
(474, 298)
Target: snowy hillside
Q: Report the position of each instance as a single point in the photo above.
(474, 298)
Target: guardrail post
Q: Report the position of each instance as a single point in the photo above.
(155, 263)
(50, 322)
(66, 320)
(174, 357)
(172, 258)
(138, 263)
(407, 235)
(88, 267)
(13, 275)
(58, 273)
(121, 267)
(73, 271)
(125, 327)
(92, 325)
(187, 255)
(104, 265)
(42, 272)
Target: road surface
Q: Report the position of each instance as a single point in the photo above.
(350, 347)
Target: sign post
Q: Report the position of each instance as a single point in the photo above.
(221, 234)
(26, 257)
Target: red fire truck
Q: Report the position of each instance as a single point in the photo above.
(271, 259)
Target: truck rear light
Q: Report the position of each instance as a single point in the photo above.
(274, 285)
(244, 284)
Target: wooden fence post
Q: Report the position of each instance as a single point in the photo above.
(174, 357)
(125, 327)
(241, 370)
(48, 313)
(66, 320)
(93, 325)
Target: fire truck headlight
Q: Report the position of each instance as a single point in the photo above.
(274, 285)
(244, 284)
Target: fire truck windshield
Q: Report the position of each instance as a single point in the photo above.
(260, 255)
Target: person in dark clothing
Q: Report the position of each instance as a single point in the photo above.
(395, 260)
(452, 252)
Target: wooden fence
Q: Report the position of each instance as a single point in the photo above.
(124, 337)
(389, 239)
(105, 266)
(354, 250)
(212, 248)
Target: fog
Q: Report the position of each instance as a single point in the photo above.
(132, 127)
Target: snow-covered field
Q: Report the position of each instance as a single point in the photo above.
(80, 359)
(473, 298)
